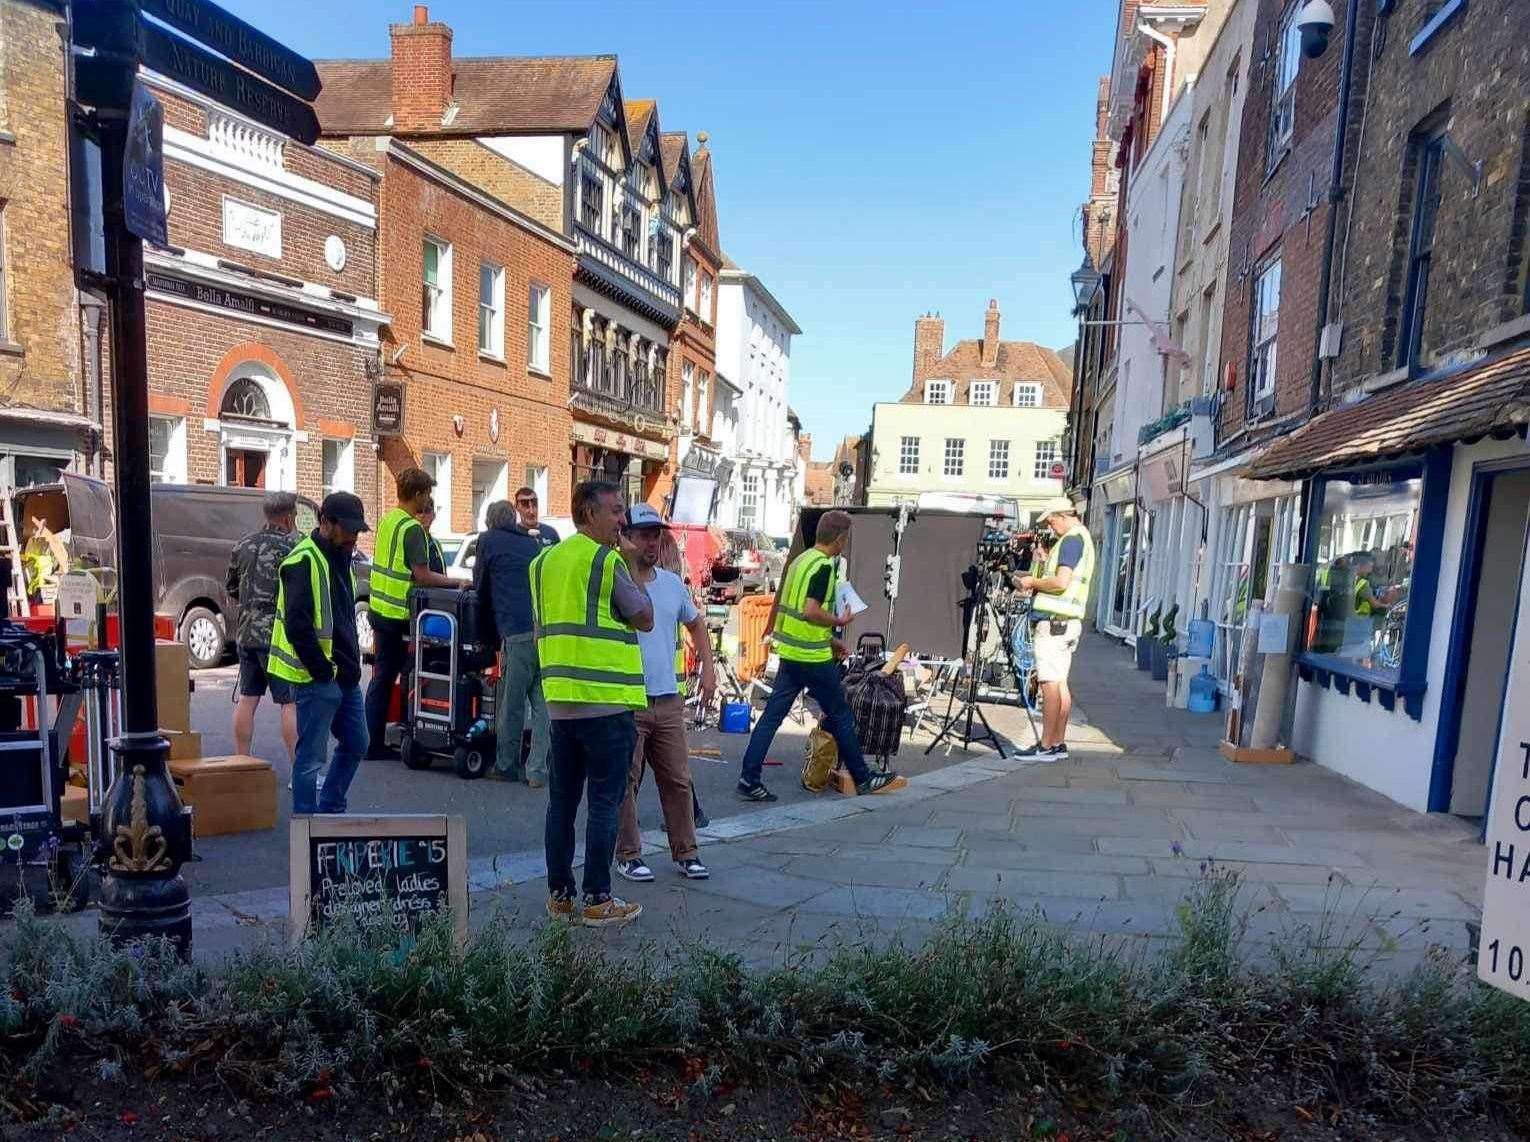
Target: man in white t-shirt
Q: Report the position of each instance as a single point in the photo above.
(661, 743)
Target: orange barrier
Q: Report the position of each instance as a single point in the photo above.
(753, 614)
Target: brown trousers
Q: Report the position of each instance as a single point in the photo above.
(661, 746)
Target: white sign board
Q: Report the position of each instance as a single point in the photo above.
(1503, 958)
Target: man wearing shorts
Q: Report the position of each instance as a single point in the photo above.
(1061, 596)
(251, 582)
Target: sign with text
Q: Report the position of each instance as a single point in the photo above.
(249, 47)
(224, 83)
(394, 873)
(143, 168)
(388, 408)
(245, 303)
(1503, 955)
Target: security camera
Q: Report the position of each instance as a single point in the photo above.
(1315, 22)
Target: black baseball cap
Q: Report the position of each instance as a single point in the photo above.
(346, 510)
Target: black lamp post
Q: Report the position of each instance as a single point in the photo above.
(1086, 280)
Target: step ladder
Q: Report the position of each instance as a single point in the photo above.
(17, 603)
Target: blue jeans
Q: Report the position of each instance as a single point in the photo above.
(323, 708)
(596, 752)
(520, 682)
(390, 661)
(822, 682)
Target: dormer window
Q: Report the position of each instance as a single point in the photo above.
(1027, 396)
(937, 392)
(985, 393)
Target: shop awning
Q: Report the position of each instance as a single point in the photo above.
(1486, 398)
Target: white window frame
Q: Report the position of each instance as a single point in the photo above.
(344, 476)
(439, 465)
(491, 311)
(944, 388)
(1027, 395)
(687, 393)
(436, 317)
(1232, 558)
(539, 329)
(955, 463)
(1047, 454)
(984, 394)
(1264, 335)
(497, 489)
(690, 283)
(749, 501)
(705, 310)
(702, 377)
(1287, 66)
(5, 274)
(173, 468)
(998, 459)
(908, 456)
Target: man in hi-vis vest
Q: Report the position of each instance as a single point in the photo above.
(400, 561)
(1061, 596)
(802, 635)
(314, 648)
(587, 612)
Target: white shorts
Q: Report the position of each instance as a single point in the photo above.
(1054, 652)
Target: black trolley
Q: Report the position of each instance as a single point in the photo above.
(449, 691)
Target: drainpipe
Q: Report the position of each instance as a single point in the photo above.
(1170, 48)
(1336, 195)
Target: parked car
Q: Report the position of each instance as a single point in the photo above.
(195, 529)
(759, 562)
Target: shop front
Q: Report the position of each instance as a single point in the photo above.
(1116, 606)
(625, 458)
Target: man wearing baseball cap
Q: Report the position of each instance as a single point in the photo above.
(314, 647)
(1060, 598)
(661, 744)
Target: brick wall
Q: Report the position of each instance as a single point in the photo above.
(1473, 77)
(447, 382)
(506, 180)
(39, 349)
(196, 212)
(1283, 209)
(190, 354)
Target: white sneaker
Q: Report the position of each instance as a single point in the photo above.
(634, 870)
(692, 869)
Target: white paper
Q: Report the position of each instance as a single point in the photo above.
(1274, 634)
(845, 596)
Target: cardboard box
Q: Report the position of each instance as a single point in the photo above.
(172, 683)
(74, 805)
(227, 794)
(1247, 755)
(185, 745)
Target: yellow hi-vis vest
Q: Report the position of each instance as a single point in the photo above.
(587, 654)
(283, 661)
(797, 639)
(391, 575)
(1072, 603)
(680, 659)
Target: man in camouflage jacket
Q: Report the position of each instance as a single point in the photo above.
(252, 582)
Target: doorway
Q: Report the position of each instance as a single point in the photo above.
(1481, 641)
(244, 468)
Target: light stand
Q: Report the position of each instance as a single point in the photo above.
(953, 726)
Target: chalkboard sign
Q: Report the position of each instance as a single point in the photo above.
(389, 872)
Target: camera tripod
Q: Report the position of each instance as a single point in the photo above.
(958, 724)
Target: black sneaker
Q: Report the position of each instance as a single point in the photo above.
(692, 869)
(755, 792)
(1060, 751)
(881, 783)
(1039, 752)
(634, 870)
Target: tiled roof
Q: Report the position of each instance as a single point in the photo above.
(498, 95)
(671, 147)
(1490, 397)
(637, 113)
(706, 199)
(1019, 362)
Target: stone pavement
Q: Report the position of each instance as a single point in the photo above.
(1107, 842)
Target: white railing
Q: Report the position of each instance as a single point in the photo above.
(244, 140)
(612, 258)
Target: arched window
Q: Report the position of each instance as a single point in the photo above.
(246, 399)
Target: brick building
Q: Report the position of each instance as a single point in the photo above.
(550, 137)
(1415, 469)
(46, 421)
(262, 315)
(698, 461)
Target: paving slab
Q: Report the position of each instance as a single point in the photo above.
(884, 903)
(925, 836)
(881, 873)
(1015, 882)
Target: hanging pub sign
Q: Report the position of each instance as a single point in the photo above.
(388, 408)
(143, 169)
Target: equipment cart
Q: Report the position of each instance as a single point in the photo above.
(449, 694)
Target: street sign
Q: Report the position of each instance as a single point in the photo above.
(388, 408)
(228, 35)
(1503, 954)
(143, 168)
(224, 83)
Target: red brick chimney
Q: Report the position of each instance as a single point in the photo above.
(991, 334)
(929, 344)
(422, 72)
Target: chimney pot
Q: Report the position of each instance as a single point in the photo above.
(421, 14)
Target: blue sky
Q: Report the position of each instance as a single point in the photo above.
(874, 160)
